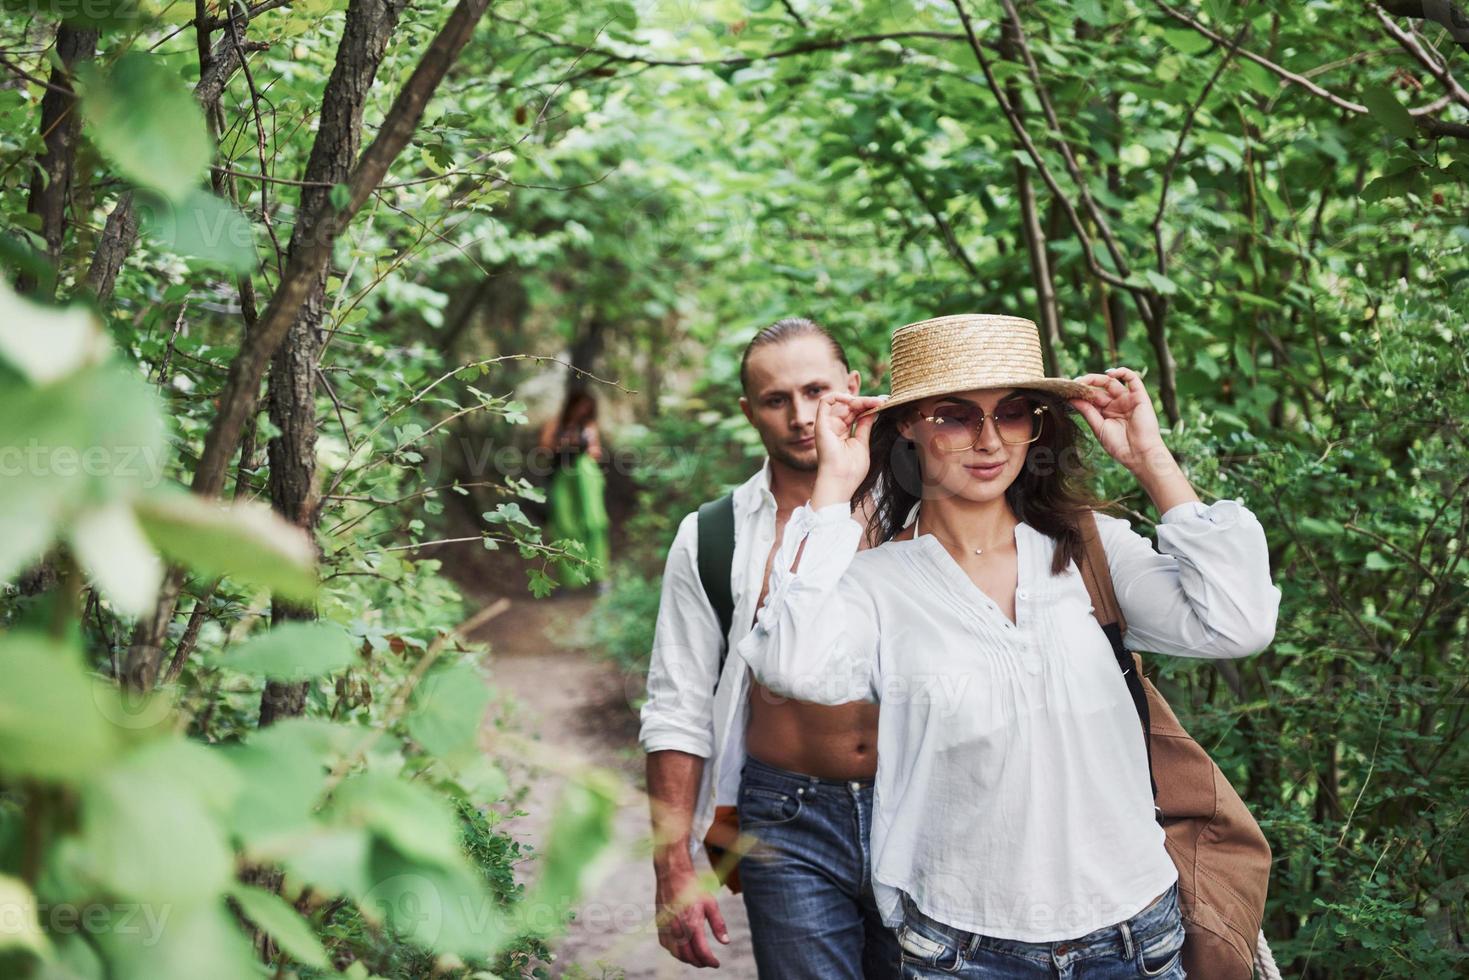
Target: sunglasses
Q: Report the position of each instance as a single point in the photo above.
(956, 428)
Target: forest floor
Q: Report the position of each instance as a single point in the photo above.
(580, 707)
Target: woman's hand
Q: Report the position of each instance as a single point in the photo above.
(1120, 412)
(841, 451)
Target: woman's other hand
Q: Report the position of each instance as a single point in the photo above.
(1120, 412)
(841, 450)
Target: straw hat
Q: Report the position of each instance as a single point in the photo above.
(969, 350)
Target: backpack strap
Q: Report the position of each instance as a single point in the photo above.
(716, 562)
(1098, 579)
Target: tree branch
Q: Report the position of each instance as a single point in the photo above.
(1434, 67)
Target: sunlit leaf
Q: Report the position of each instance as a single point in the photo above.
(243, 540)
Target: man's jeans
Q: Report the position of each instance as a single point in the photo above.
(807, 883)
(1147, 946)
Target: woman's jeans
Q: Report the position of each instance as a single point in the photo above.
(1148, 945)
(807, 882)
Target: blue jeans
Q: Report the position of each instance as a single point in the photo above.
(807, 882)
(1149, 945)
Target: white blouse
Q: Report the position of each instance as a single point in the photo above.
(1012, 794)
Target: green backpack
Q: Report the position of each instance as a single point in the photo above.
(715, 549)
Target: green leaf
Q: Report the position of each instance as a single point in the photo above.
(147, 124)
(448, 710)
(1186, 41)
(46, 342)
(246, 541)
(53, 716)
(273, 915)
(20, 926)
(1389, 112)
(340, 196)
(416, 822)
(442, 908)
(94, 437)
(293, 651)
(201, 226)
(1161, 283)
(152, 940)
(1378, 562)
(580, 831)
(116, 554)
(151, 827)
(334, 860)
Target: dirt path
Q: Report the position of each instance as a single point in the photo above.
(581, 706)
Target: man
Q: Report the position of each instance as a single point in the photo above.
(800, 774)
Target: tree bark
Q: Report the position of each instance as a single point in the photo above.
(61, 126)
(238, 398)
(291, 388)
(121, 231)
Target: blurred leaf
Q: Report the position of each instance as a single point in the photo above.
(20, 928)
(246, 541)
(175, 941)
(47, 342)
(448, 711)
(283, 923)
(199, 225)
(94, 437)
(406, 815)
(146, 122)
(115, 553)
(52, 722)
(149, 829)
(293, 651)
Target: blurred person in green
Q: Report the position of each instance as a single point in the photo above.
(576, 498)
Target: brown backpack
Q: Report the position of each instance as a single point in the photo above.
(1222, 856)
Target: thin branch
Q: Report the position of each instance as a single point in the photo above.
(1188, 125)
(1023, 136)
(1140, 297)
(1436, 68)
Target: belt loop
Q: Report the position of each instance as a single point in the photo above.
(1127, 950)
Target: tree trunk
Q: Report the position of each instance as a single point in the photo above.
(61, 125)
(291, 388)
(237, 401)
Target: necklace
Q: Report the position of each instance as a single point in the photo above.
(916, 514)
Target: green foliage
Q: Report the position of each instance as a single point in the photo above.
(1309, 265)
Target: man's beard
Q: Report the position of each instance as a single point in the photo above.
(806, 462)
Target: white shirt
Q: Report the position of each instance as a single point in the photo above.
(684, 711)
(1012, 791)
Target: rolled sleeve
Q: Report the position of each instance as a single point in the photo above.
(684, 667)
(1205, 592)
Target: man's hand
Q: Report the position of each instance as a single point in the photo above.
(684, 906)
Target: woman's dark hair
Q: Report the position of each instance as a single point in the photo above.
(1050, 494)
(788, 328)
(579, 410)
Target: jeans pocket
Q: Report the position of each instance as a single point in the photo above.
(1160, 953)
(762, 807)
(927, 948)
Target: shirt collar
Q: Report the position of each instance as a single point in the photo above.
(755, 492)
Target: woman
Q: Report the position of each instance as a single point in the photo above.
(1013, 830)
(578, 510)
